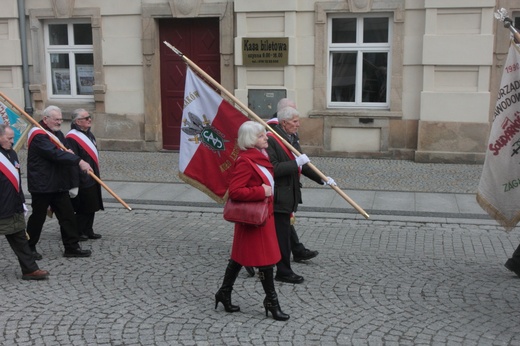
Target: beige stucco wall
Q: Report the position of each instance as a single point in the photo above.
(10, 58)
(446, 63)
(324, 131)
(118, 102)
(456, 64)
(122, 61)
(291, 19)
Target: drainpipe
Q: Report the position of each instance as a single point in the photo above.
(25, 64)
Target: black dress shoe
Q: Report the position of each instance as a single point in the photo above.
(36, 255)
(94, 236)
(510, 264)
(83, 237)
(77, 253)
(291, 278)
(305, 255)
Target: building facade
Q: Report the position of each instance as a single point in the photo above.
(400, 79)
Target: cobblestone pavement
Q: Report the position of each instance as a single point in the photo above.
(353, 174)
(356, 174)
(152, 277)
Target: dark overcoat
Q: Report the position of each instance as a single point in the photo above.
(287, 193)
(89, 198)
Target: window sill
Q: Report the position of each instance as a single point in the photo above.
(354, 113)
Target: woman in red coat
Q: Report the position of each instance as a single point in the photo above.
(253, 246)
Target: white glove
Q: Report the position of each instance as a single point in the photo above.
(302, 159)
(73, 192)
(330, 182)
(25, 210)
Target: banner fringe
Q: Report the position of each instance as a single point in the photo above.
(497, 215)
(203, 188)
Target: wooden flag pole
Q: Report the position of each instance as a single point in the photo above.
(255, 117)
(58, 143)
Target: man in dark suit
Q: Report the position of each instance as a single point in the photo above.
(88, 199)
(299, 251)
(287, 192)
(49, 182)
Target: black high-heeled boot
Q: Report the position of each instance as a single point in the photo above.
(271, 298)
(223, 295)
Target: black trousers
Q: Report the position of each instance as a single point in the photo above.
(297, 248)
(20, 246)
(85, 223)
(283, 232)
(62, 207)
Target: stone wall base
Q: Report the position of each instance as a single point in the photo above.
(449, 157)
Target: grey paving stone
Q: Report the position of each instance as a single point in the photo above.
(415, 273)
(152, 277)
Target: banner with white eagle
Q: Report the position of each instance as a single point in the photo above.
(209, 131)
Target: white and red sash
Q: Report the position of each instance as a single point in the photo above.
(10, 171)
(268, 175)
(263, 172)
(85, 143)
(39, 131)
(287, 151)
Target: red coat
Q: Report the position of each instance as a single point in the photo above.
(253, 246)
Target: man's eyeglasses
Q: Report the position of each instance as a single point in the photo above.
(86, 118)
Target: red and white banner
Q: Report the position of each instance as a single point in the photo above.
(499, 187)
(209, 131)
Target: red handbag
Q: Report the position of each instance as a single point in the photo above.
(250, 213)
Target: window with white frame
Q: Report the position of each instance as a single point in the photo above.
(69, 60)
(359, 61)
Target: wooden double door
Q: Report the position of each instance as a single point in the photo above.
(199, 40)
